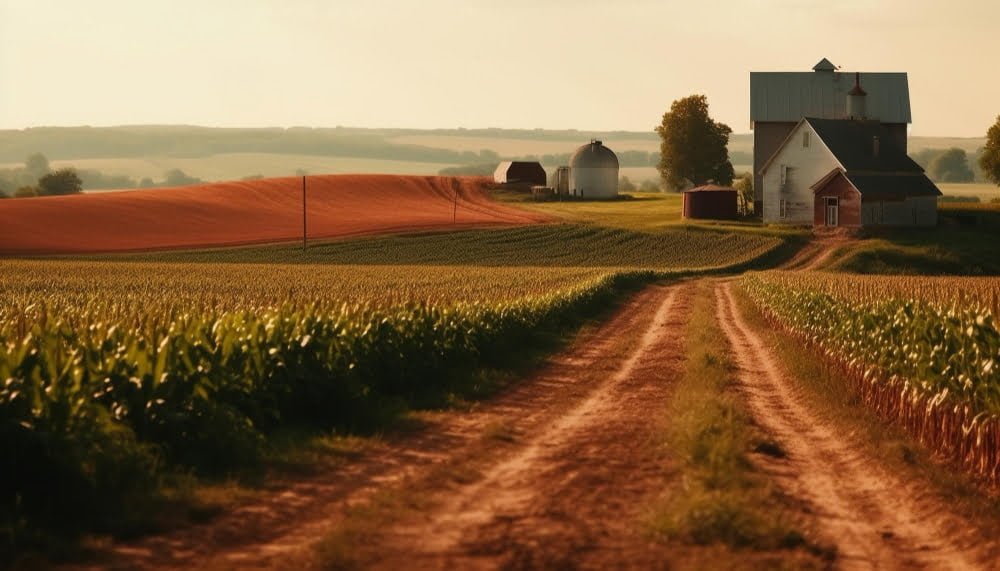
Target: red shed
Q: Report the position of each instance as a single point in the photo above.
(710, 202)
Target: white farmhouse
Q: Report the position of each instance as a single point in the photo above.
(845, 172)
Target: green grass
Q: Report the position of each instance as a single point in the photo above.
(720, 497)
(554, 245)
(952, 248)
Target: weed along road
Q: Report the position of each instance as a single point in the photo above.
(574, 466)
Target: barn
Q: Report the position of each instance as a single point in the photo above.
(779, 100)
(710, 202)
(846, 173)
(525, 173)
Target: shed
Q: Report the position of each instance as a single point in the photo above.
(710, 202)
(520, 172)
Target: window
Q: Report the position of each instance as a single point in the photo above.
(782, 208)
(805, 139)
(784, 174)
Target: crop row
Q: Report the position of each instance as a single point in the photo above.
(931, 364)
(104, 391)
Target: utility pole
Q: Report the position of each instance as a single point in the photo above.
(303, 213)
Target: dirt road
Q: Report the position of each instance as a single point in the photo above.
(558, 472)
(550, 472)
(876, 519)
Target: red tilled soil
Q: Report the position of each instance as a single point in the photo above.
(877, 519)
(556, 472)
(249, 212)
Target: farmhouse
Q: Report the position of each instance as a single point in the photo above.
(520, 173)
(780, 100)
(846, 172)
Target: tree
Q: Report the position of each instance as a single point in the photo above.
(177, 177)
(990, 159)
(26, 192)
(745, 188)
(950, 166)
(625, 185)
(693, 146)
(62, 181)
(37, 165)
(649, 185)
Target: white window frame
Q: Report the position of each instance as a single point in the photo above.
(805, 139)
(784, 174)
(782, 209)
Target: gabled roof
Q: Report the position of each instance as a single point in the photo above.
(824, 65)
(883, 185)
(790, 96)
(852, 143)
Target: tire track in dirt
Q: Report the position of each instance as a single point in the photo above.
(876, 519)
(278, 530)
(573, 495)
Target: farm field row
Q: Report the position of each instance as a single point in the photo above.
(550, 245)
(922, 352)
(121, 378)
(132, 288)
(249, 212)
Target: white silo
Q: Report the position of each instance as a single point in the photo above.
(594, 171)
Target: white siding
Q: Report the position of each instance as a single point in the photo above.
(804, 167)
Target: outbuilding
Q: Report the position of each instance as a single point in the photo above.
(710, 202)
(525, 173)
(593, 171)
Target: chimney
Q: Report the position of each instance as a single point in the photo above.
(875, 146)
(857, 104)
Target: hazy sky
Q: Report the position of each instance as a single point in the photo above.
(586, 64)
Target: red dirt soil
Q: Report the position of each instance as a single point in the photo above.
(247, 212)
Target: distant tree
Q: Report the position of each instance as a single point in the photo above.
(26, 192)
(301, 172)
(625, 185)
(146, 182)
(62, 181)
(37, 165)
(693, 146)
(489, 156)
(177, 177)
(990, 159)
(649, 185)
(950, 166)
(744, 185)
(253, 177)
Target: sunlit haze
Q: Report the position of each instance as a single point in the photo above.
(586, 64)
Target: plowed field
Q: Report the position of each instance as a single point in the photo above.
(248, 212)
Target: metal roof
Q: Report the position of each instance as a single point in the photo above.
(790, 96)
(853, 144)
(711, 188)
(824, 65)
(594, 155)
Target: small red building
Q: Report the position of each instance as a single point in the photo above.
(710, 202)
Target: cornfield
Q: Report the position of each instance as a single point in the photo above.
(922, 352)
(113, 373)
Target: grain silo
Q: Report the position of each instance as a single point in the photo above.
(594, 172)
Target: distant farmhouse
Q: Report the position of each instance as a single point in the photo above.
(830, 150)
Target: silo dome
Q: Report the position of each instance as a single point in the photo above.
(594, 171)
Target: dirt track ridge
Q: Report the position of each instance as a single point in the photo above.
(876, 519)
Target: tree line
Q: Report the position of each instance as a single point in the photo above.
(37, 178)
